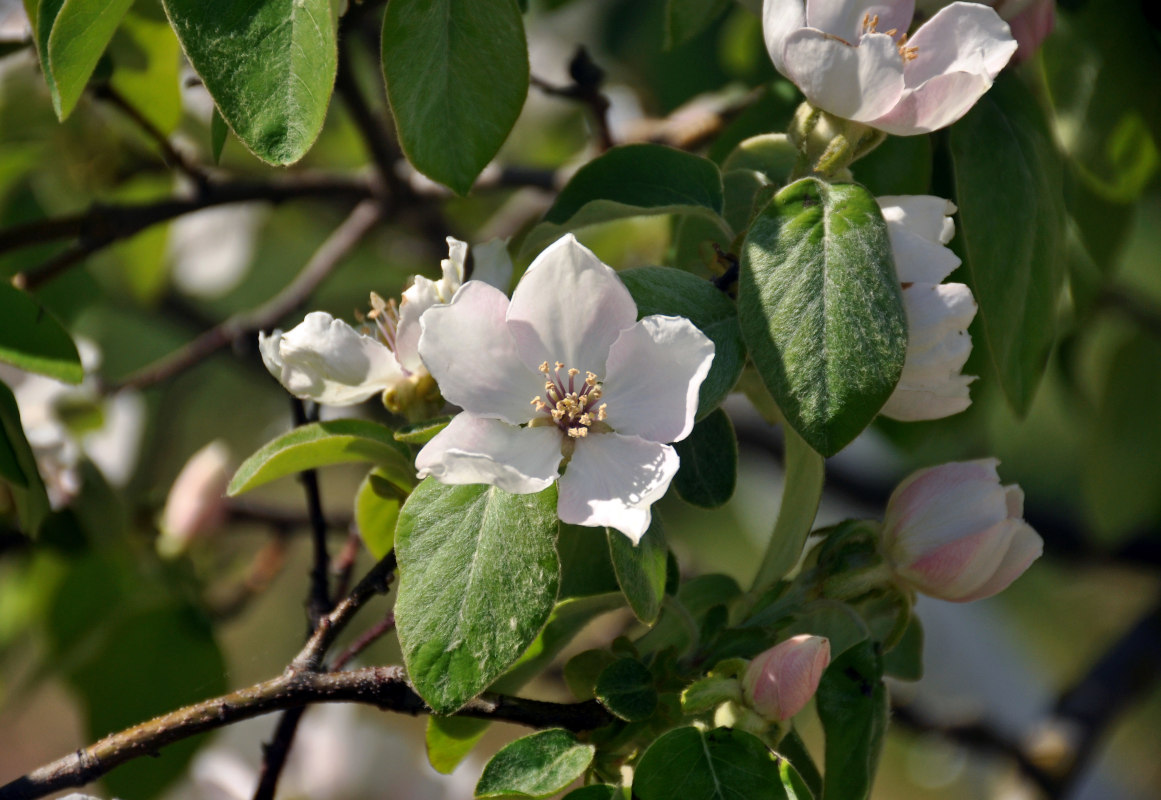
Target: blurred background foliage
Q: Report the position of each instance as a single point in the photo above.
(98, 632)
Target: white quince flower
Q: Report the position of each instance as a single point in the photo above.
(938, 314)
(564, 371)
(326, 360)
(852, 58)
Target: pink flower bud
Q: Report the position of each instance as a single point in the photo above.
(779, 682)
(196, 502)
(955, 533)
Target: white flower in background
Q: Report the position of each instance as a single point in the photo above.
(326, 360)
(938, 314)
(852, 58)
(955, 533)
(211, 250)
(65, 424)
(564, 371)
(196, 504)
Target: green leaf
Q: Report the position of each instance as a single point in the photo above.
(71, 36)
(838, 622)
(852, 705)
(582, 671)
(821, 309)
(269, 65)
(597, 791)
(421, 432)
(900, 165)
(218, 132)
(478, 577)
(641, 569)
(633, 180)
(32, 339)
(685, 19)
(377, 504)
(663, 290)
(709, 462)
(146, 60)
(721, 764)
(586, 567)
(457, 77)
(1008, 182)
(771, 154)
(626, 688)
(538, 765)
(18, 467)
(793, 748)
(904, 661)
(321, 444)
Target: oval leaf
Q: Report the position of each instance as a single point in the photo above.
(852, 705)
(709, 462)
(478, 578)
(321, 444)
(597, 791)
(632, 181)
(539, 765)
(626, 688)
(673, 292)
(821, 309)
(18, 467)
(421, 432)
(377, 504)
(641, 569)
(32, 339)
(71, 36)
(269, 65)
(1009, 188)
(457, 76)
(721, 764)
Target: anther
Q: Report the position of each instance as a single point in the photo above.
(543, 367)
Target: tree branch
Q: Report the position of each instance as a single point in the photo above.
(173, 158)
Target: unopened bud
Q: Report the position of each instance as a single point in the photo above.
(196, 503)
(780, 682)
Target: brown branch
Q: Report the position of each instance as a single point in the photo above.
(383, 687)
(324, 261)
(585, 88)
(365, 640)
(276, 752)
(173, 158)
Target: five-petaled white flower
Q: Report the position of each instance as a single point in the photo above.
(852, 58)
(938, 314)
(564, 373)
(326, 360)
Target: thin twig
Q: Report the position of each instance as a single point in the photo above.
(344, 563)
(374, 132)
(276, 752)
(319, 598)
(365, 640)
(325, 260)
(585, 88)
(173, 157)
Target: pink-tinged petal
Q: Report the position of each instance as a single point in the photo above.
(961, 37)
(470, 352)
(475, 449)
(612, 480)
(780, 682)
(780, 18)
(940, 504)
(326, 360)
(933, 105)
(1026, 546)
(860, 83)
(958, 568)
(655, 371)
(845, 18)
(1031, 26)
(569, 307)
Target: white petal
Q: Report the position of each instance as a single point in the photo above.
(569, 307)
(326, 360)
(911, 402)
(469, 351)
(942, 504)
(655, 371)
(422, 295)
(919, 228)
(269, 345)
(453, 266)
(1026, 546)
(780, 18)
(844, 18)
(492, 264)
(115, 445)
(612, 480)
(478, 450)
(860, 83)
(962, 37)
(922, 214)
(933, 105)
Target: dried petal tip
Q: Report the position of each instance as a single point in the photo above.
(780, 682)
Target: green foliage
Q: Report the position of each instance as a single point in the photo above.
(269, 65)
(320, 444)
(146, 58)
(1012, 239)
(538, 765)
(721, 764)
(421, 432)
(478, 576)
(377, 504)
(641, 569)
(457, 76)
(821, 309)
(852, 705)
(32, 338)
(18, 467)
(684, 19)
(71, 36)
(709, 462)
(625, 687)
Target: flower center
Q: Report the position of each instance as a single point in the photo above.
(871, 25)
(574, 409)
(383, 319)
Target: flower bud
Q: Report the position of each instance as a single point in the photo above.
(955, 533)
(779, 682)
(196, 502)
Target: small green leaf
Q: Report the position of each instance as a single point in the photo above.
(772, 154)
(793, 748)
(663, 290)
(837, 621)
(709, 462)
(269, 65)
(626, 688)
(1012, 238)
(421, 432)
(71, 37)
(457, 77)
(218, 132)
(32, 339)
(478, 577)
(538, 765)
(597, 791)
(821, 309)
(586, 568)
(641, 569)
(721, 764)
(904, 661)
(582, 671)
(852, 705)
(18, 467)
(684, 19)
(377, 504)
(321, 444)
(632, 181)
(146, 61)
